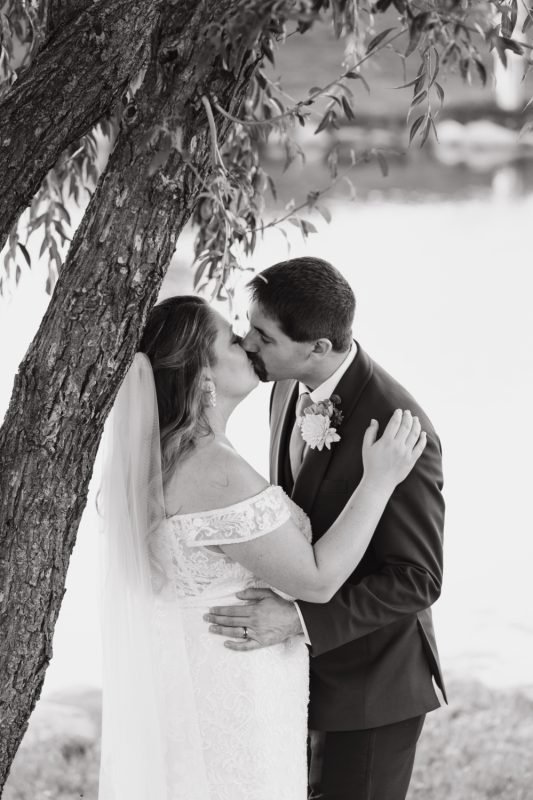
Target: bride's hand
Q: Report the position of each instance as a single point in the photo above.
(388, 460)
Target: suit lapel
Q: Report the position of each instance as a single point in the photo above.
(282, 422)
(316, 462)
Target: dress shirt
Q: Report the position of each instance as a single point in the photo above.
(323, 392)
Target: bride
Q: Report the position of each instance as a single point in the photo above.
(187, 524)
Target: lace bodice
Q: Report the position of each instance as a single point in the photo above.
(199, 570)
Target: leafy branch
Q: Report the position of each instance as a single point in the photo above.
(299, 109)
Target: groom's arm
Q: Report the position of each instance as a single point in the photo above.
(408, 547)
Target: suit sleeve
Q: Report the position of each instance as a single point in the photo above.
(407, 546)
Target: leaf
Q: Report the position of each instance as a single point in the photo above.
(378, 39)
(348, 110)
(285, 236)
(63, 212)
(435, 69)
(416, 28)
(272, 187)
(482, 72)
(415, 126)
(323, 124)
(308, 227)
(55, 255)
(503, 43)
(425, 132)
(382, 5)
(511, 45)
(324, 212)
(528, 21)
(509, 17)
(44, 245)
(268, 52)
(357, 76)
(59, 228)
(350, 186)
(464, 69)
(418, 98)
(526, 128)
(411, 83)
(278, 105)
(333, 162)
(383, 163)
(312, 198)
(25, 254)
(528, 104)
(440, 92)
(335, 98)
(200, 270)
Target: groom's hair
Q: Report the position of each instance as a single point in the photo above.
(309, 298)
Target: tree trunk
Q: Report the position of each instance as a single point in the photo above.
(52, 14)
(74, 80)
(69, 378)
(58, 12)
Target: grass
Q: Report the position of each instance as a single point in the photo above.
(478, 748)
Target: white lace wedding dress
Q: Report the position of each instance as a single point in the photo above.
(251, 707)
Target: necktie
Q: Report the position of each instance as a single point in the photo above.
(296, 443)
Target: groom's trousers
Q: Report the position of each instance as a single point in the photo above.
(373, 764)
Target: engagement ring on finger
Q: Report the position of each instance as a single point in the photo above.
(245, 634)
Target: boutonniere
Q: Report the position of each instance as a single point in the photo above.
(319, 422)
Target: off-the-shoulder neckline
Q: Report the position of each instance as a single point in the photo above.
(222, 509)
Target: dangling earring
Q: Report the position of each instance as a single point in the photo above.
(212, 393)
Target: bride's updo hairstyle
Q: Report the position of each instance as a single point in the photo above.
(179, 339)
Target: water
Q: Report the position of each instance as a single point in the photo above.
(443, 293)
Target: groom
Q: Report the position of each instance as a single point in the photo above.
(373, 651)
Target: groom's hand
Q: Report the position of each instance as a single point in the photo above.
(268, 620)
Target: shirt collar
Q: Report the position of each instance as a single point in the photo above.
(327, 388)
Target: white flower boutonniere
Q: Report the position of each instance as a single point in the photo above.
(318, 423)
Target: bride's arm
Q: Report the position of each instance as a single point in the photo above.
(285, 560)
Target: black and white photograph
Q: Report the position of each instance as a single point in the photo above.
(266, 383)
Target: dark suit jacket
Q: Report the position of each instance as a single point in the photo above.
(373, 646)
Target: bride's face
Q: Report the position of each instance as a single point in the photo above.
(233, 373)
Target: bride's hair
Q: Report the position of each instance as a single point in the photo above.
(179, 341)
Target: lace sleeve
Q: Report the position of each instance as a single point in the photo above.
(240, 522)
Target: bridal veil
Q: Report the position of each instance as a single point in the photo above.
(151, 745)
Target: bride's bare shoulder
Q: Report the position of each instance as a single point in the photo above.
(213, 476)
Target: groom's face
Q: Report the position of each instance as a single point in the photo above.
(273, 354)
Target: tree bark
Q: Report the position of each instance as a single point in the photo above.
(74, 80)
(55, 13)
(69, 378)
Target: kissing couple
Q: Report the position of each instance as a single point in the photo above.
(267, 639)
